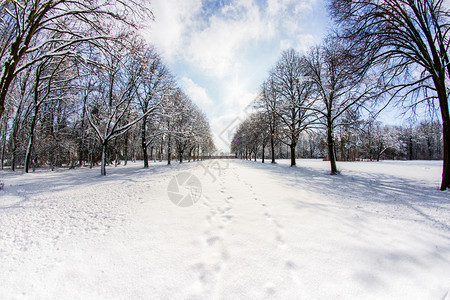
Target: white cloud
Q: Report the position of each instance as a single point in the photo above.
(213, 42)
(229, 48)
(215, 48)
(197, 93)
(172, 18)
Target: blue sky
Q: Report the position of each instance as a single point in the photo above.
(221, 51)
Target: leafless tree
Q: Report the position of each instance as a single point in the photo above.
(51, 83)
(111, 107)
(268, 102)
(186, 128)
(409, 38)
(28, 26)
(338, 87)
(18, 101)
(293, 93)
(155, 82)
(251, 136)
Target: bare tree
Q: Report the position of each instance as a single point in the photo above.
(51, 82)
(19, 99)
(31, 25)
(155, 83)
(268, 102)
(410, 38)
(338, 87)
(294, 95)
(3, 131)
(109, 108)
(242, 141)
(186, 127)
(251, 136)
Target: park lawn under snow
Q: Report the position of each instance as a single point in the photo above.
(259, 231)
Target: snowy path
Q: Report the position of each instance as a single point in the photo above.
(379, 231)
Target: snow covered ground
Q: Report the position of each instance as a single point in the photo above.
(258, 231)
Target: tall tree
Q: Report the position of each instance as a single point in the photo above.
(337, 86)
(268, 102)
(403, 36)
(155, 83)
(29, 24)
(18, 100)
(111, 107)
(294, 95)
(51, 83)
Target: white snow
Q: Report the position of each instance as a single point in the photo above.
(259, 231)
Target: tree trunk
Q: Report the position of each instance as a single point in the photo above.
(443, 101)
(144, 144)
(91, 160)
(430, 148)
(13, 138)
(103, 165)
(263, 147)
(8, 67)
(31, 139)
(380, 151)
(292, 146)
(4, 131)
(2, 158)
(446, 164)
(13, 155)
(145, 155)
(169, 154)
(125, 150)
(272, 149)
(410, 148)
(198, 153)
(80, 144)
(331, 154)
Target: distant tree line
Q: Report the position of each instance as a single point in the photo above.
(380, 52)
(365, 140)
(80, 86)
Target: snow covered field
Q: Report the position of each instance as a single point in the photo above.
(258, 231)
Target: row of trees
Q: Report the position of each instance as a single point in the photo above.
(81, 85)
(362, 140)
(391, 50)
(318, 90)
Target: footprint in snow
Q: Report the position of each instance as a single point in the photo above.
(227, 217)
(212, 240)
(280, 241)
(290, 265)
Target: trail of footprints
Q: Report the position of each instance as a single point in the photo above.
(215, 256)
(279, 231)
(290, 266)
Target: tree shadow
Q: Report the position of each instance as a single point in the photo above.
(23, 187)
(396, 192)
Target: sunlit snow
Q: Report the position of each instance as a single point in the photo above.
(259, 231)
